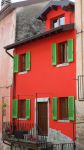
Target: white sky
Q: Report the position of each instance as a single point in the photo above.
(11, 1)
(14, 0)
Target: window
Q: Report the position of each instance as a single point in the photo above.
(22, 62)
(62, 21)
(62, 53)
(63, 108)
(22, 109)
(58, 22)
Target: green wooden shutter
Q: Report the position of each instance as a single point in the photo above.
(54, 108)
(70, 50)
(27, 61)
(27, 108)
(15, 108)
(71, 108)
(16, 63)
(54, 54)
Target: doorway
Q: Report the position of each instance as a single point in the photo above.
(42, 118)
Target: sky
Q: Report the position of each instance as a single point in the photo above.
(11, 1)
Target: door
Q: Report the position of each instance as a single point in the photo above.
(43, 118)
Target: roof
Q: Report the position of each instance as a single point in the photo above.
(41, 35)
(11, 6)
(53, 4)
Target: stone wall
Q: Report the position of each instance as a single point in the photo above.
(80, 125)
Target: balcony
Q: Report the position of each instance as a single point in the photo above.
(24, 133)
(25, 136)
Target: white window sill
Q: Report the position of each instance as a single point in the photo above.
(21, 119)
(24, 72)
(63, 120)
(62, 65)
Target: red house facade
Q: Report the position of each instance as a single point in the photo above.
(44, 85)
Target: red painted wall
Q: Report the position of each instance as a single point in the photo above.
(69, 16)
(47, 80)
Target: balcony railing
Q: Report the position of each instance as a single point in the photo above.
(24, 135)
(23, 132)
(81, 87)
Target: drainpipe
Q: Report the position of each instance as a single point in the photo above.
(82, 37)
(82, 47)
(13, 79)
(81, 32)
(13, 75)
(8, 53)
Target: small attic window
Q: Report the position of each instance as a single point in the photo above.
(58, 21)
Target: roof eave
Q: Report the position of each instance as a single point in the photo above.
(41, 35)
(54, 5)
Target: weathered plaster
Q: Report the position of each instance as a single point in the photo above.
(79, 20)
(7, 36)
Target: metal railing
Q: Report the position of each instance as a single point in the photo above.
(24, 135)
(64, 146)
(23, 132)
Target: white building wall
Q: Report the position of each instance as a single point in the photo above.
(79, 23)
(7, 36)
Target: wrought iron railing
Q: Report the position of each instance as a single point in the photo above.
(24, 135)
(64, 146)
(81, 87)
(23, 132)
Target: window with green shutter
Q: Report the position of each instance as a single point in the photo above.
(70, 50)
(22, 62)
(27, 108)
(27, 61)
(15, 108)
(63, 52)
(16, 64)
(54, 108)
(63, 108)
(71, 108)
(54, 54)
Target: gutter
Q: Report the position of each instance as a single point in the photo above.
(12, 85)
(9, 54)
(13, 75)
(57, 30)
(82, 36)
